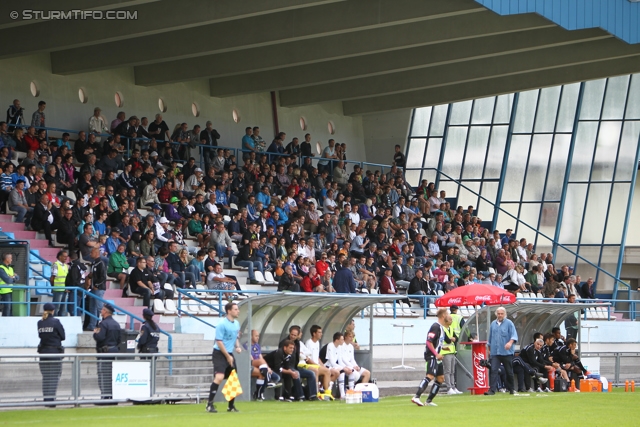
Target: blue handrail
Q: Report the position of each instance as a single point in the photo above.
(617, 279)
(132, 317)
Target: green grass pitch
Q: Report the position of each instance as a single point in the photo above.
(546, 409)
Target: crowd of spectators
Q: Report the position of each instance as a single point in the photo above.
(328, 227)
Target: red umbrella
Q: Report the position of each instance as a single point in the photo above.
(476, 295)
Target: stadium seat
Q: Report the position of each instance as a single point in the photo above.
(268, 276)
(170, 307)
(158, 306)
(519, 295)
(259, 277)
(433, 310)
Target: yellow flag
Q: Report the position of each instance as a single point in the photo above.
(232, 387)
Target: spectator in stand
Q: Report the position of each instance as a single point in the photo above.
(118, 266)
(18, 201)
(140, 282)
(398, 157)
(37, 119)
(587, 291)
(15, 114)
(97, 124)
(287, 282)
(43, 218)
(159, 129)
(248, 257)
(312, 281)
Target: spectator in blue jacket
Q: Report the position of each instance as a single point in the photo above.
(343, 281)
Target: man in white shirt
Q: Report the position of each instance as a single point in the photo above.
(348, 359)
(353, 215)
(334, 360)
(522, 251)
(211, 205)
(309, 360)
(309, 250)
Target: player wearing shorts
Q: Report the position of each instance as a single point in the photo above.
(435, 339)
(260, 369)
(227, 342)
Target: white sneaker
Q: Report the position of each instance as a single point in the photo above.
(416, 400)
(451, 391)
(458, 391)
(429, 404)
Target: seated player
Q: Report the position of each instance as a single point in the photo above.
(547, 354)
(570, 361)
(326, 376)
(281, 361)
(261, 370)
(348, 359)
(334, 361)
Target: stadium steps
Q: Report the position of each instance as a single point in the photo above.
(182, 343)
(394, 382)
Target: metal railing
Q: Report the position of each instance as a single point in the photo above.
(78, 306)
(617, 366)
(173, 377)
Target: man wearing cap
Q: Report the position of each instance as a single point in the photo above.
(162, 232)
(114, 240)
(107, 337)
(194, 181)
(51, 334)
(156, 212)
(171, 210)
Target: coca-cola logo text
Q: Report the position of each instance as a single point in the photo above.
(482, 298)
(481, 380)
(455, 300)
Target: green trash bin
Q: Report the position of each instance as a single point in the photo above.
(19, 306)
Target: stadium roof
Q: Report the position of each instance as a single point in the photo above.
(273, 314)
(373, 55)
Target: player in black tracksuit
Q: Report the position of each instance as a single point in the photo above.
(281, 362)
(570, 361)
(529, 363)
(435, 339)
(51, 333)
(107, 337)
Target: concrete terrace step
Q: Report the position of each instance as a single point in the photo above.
(12, 226)
(6, 218)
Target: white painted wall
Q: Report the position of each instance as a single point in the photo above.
(64, 109)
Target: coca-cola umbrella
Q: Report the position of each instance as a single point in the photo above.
(476, 295)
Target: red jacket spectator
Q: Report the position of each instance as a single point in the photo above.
(388, 285)
(322, 267)
(308, 284)
(32, 142)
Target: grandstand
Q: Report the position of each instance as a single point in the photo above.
(507, 157)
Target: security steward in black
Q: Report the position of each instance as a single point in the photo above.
(107, 336)
(51, 335)
(149, 334)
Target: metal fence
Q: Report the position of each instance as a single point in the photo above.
(173, 377)
(617, 367)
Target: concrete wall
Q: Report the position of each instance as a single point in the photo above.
(382, 131)
(64, 109)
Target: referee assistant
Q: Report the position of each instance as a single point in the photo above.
(223, 361)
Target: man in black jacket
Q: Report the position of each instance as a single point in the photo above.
(419, 286)
(570, 361)
(248, 257)
(107, 337)
(67, 230)
(312, 381)
(530, 364)
(280, 361)
(98, 274)
(43, 219)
